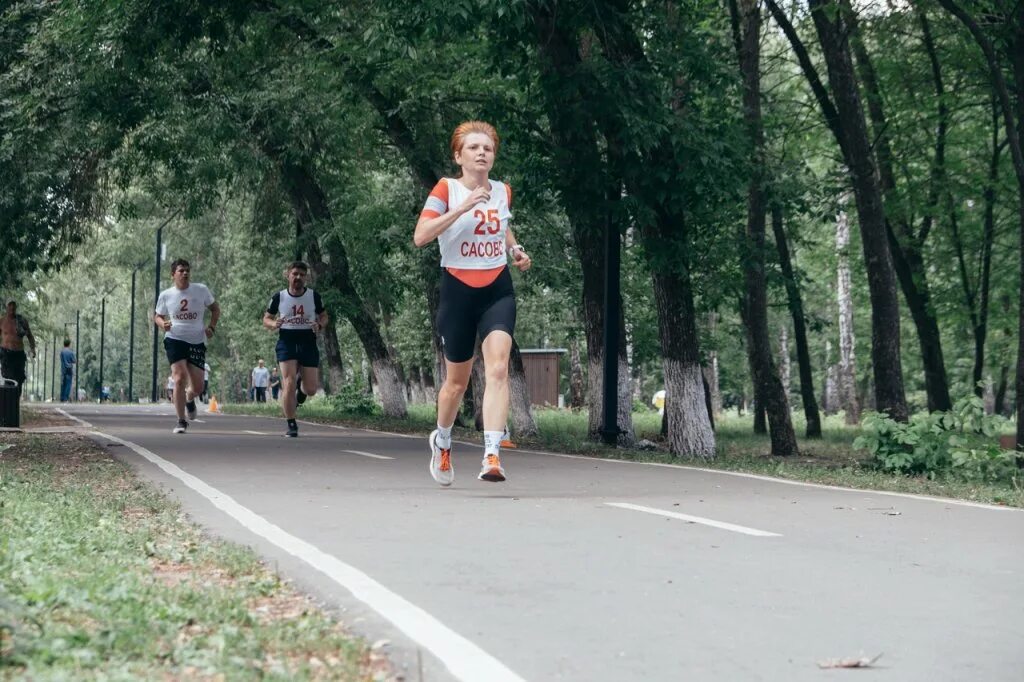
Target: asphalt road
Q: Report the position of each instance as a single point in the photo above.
(586, 569)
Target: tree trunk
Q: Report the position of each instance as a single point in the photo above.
(1000, 400)
(689, 430)
(796, 311)
(1014, 132)
(846, 379)
(585, 199)
(576, 381)
(332, 351)
(885, 315)
(784, 372)
(907, 249)
(521, 421)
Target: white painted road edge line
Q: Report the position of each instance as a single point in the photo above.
(367, 454)
(74, 418)
(465, 660)
(255, 433)
(785, 481)
(696, 519)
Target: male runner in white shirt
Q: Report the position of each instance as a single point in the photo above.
(181, 313)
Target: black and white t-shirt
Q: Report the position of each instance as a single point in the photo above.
(298, 313)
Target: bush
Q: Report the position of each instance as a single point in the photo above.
(963, 442)
(351, 400)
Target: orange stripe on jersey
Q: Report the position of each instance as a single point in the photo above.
(477, 279)
(437, 202)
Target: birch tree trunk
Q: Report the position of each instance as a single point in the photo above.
(784, 367)
(846, 388)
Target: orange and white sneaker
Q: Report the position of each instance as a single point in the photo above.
(441, 467)
(492, 470)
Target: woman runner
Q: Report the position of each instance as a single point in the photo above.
(469, 217)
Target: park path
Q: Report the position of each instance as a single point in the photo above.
(587, 569)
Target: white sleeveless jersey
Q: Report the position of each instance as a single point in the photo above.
(297, 312)
(476, 241)
(186, 309)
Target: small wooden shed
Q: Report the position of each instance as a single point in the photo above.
(542, 374)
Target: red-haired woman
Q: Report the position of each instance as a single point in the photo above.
(469, 217)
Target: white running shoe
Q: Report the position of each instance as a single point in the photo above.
(182, 426)
(491, 470)
(441, 467)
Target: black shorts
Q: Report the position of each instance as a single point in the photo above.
(12, 364)
(466, 312)
(178, 350)
(302, 349)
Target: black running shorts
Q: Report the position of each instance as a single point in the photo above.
(466, 312)
(178, 350)
(302, 349)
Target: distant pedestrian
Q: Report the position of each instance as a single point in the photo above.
(170, 388)
(275, 383)
(260, 381)
(67, 370)
(14, 328)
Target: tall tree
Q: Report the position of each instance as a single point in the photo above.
(746, 21)
(845, 118)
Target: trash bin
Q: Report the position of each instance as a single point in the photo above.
(10, 406)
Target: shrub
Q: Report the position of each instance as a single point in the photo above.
(963, 442)
(351, 400)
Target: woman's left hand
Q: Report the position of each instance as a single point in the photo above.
(521, 260)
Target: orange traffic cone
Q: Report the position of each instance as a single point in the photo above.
(214, 407)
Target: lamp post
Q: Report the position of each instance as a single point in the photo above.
(53, 369)
(103, 329)
(156, 296)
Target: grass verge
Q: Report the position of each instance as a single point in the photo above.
(102, 577)
(829, 460)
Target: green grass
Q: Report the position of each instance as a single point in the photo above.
(828, 460)
(101, 577)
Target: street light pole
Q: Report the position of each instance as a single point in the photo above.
(103, 328)
(612, 311)
(78, 349)
(53, 369)
(131, 338)
(156, 296)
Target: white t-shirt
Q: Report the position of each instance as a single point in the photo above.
(260, 377)
(187, 310)
(170, 383)
(206, 372)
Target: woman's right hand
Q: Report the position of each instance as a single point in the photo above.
(481, 195)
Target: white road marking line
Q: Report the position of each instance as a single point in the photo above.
(74, 418)
(786, 481)
(465, 660)
(329, 426)
(696, 519)
(367, 454)
(256, 433)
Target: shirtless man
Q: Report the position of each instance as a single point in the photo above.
(181, 314)
(13, 329)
